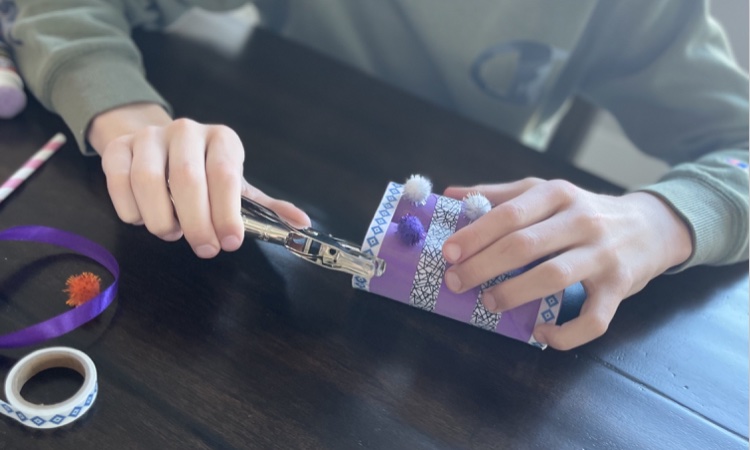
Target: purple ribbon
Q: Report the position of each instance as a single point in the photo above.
(70, 320)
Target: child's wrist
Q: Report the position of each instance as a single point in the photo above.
(123, 120)
(672, 231)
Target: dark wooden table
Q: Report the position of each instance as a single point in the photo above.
(257, 349)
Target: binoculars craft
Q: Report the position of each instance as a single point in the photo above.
(408, 231)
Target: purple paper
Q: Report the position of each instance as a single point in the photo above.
(70, 320)
(456, 306)
(401, 264)
(519, 322)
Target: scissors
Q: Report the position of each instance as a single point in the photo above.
(316, 247)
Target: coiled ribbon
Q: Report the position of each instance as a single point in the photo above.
(69, 320)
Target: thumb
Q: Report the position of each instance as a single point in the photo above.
(295, 216)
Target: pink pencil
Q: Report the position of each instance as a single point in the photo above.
(30, 166)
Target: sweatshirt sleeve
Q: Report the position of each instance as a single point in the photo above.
(665, 71)
(78, 59)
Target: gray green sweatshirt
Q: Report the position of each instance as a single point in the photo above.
(662, 67)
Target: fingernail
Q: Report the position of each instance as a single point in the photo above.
(206, 251)
(490, 304)
(451, 252)
(173, 236)
(452, 281)
(230, 243)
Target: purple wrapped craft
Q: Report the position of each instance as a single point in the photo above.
(414, 273)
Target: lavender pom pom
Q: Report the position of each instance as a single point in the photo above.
(410, 230)
(476, 205)
(417, 189)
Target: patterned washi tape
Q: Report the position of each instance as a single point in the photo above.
(58, 414)
(431, 264)
(480, 317)
(549, 308)
(378, 227)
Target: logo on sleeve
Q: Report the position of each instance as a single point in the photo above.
(737, 163)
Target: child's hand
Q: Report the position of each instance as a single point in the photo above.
(178, 177)
(614, 245)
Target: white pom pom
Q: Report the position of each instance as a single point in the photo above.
(476, 205)
(417, 189)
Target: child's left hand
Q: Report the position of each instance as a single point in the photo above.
(613, 245)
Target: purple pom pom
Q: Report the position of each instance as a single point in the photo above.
(410, 229)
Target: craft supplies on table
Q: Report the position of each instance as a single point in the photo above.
(70, 410)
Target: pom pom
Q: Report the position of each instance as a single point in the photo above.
(417, 189)
(476, 205)
(82, 288)
(410, 230)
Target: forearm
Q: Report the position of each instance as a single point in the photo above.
(679, 96)
(78, 59)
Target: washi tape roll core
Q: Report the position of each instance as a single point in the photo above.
(58, 414)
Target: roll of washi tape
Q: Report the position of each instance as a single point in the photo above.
(58, 414)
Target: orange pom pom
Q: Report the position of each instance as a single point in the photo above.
(82, 288)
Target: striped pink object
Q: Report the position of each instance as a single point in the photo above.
(30, 166)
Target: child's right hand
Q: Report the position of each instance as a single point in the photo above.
(178, 177)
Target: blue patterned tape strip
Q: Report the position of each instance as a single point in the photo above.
(549, 308)
(378, 228)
